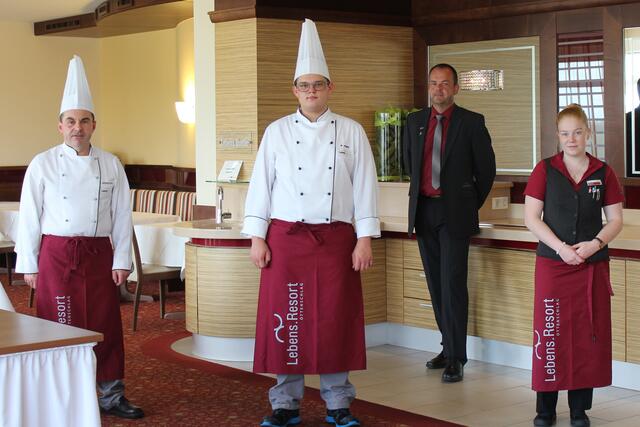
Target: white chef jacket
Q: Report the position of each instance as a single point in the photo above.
(64, 194)
(313, 172)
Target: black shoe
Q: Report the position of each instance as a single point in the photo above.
(282, 418)
(124, 409)
(544, 420)
(580, 420)
(437, 362)
(453, 372)
(341, 418)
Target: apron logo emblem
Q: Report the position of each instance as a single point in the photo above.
(537, 344)
(277, 329)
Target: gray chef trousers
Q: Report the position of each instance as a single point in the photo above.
(335, 390)
(109, 393)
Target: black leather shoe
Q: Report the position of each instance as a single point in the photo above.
(544, 420)
(453, 372)
(580, 420)
(437, 362)
(124, 409)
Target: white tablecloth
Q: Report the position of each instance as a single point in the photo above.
(54, 387)
(9, 220)
(158, 245)
(5, 304)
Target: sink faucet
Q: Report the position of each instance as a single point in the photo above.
(219, 206)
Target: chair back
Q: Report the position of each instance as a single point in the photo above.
(137, 260)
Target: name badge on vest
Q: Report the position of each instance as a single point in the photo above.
(593, 186)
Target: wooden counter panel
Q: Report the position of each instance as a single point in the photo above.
(415, 284)
(394, 272)
(633, 311)
(501, 294)
(374, 286)
(412, 255)
(191, 287)
(227, 302)
(419, 313)
(618, 309)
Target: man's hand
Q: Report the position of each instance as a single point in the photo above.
(120, 276)
(260, 253)
(362, 256)
(31, 279)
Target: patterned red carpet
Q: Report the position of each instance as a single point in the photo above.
(176, 390)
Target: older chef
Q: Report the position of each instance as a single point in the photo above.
(74, 237)
(314, 180)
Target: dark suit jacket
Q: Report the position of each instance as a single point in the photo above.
(467, 171)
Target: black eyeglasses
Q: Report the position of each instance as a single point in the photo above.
(318, 86)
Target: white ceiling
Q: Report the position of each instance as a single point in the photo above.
(42, 10)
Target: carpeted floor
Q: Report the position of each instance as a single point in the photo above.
(176, 390)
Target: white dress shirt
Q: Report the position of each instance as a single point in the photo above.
(313, 172)
(64, 194)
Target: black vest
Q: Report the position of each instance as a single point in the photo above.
(573, 216)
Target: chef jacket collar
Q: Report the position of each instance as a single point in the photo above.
(71, 152)
(326, 116)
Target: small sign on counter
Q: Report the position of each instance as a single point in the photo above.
(230, 171)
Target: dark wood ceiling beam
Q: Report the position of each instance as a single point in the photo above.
(89, 23)
(364, 12)
(423, 15)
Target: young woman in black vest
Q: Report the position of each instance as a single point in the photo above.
(565, 197)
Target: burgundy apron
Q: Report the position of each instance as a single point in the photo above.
(572, 326)
(75, 287)
(310, 312)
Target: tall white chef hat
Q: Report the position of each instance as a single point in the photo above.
(77, 95)
(310, 55)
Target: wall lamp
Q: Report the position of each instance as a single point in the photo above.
(481, 80)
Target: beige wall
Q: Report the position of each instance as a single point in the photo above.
(32, 78)
(135, 81)
(140, 85)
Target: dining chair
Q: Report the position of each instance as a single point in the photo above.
(150, 273)
(7, 247)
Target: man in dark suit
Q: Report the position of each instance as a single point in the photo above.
(448, 154)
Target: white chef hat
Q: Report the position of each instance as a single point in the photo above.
(77, 95)
(310, 55)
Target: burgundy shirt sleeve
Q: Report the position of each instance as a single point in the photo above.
(612, 189)
(537, 184)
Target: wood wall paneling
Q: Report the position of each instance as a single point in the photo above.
(412, 255)
(455, 11)
(227, 303)
(374, 289)
(394, 271)
(512, 115)
(11, 178)
(614, 125)
(372, 67)
(236, 90)
(161, 177)
(191, 288)
(633, 311)
(618, 309)
(501, 284)
(419, 313)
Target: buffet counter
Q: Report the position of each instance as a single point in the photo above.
(222, 288)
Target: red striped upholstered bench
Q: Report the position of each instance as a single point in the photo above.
(167, 202)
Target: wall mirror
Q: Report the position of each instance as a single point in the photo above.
(511, 113)
(632, 100)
